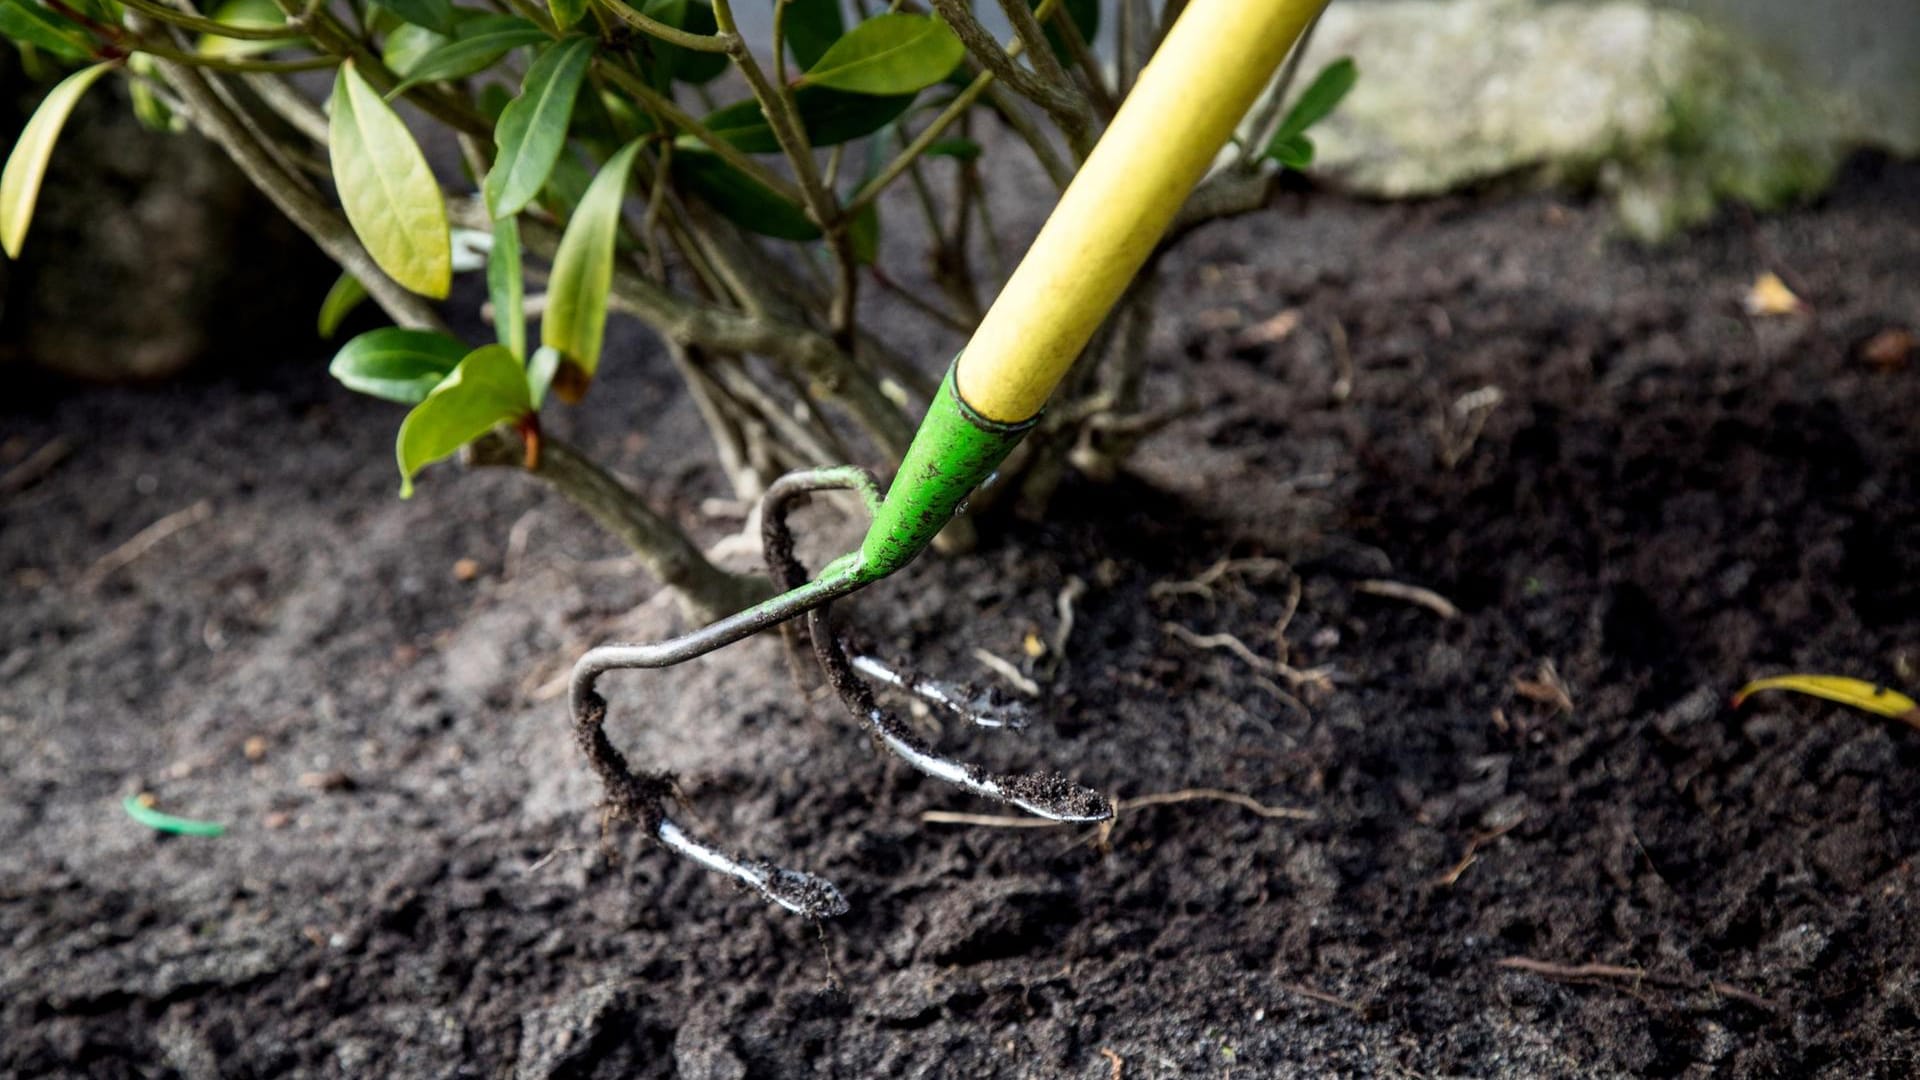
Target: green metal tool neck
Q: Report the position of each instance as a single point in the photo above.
(953, 452)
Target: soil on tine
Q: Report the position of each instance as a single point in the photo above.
(1534, 839)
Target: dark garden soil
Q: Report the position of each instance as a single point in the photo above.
(1637, 496)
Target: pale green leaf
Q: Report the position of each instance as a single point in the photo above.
(1294, 151)
(541, 368)
(576, 316)
(889, 54)
(249, 15)
(397, 364)
(506, 287)
(407, 46)
(390, 195)
(488, 387)
(27, 164)
(346, 294)
(533, 128)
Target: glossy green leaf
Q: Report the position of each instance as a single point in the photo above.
(738, 197)
(397, 364)
(534, 128)
(391, 198)
(1294, 151)
(346, 294)
(831, 117)
(576, 317)
(248, 14)
(435, 15)
(478, 43)
(566, 12)
(29, 23)
(812, 28)
(1318, 99)
(889, 54)
(488, 387)
(506, 286)
(27, 164)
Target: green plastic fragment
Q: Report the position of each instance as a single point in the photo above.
(167, 823)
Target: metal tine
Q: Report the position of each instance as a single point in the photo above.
(974, 706)
(641, 800)
(1047, 795)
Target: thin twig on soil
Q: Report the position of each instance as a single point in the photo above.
(1592, 972)
(1325, 998)
(1472, 853)
(1412, 594)
(144, 541)
(1547, 688)
(38, 464)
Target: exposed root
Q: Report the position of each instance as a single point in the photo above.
(1412, 594)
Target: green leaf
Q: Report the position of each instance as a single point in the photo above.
(889, 54)
(576, 316)
(506, 286)
(1318, 99)
(738, 197)
(27, 23)
(396, 364)
(407, 45)
(346, 294)
(812, 28)
(487, 388)
(249, 14)
(534, 128)
(960, 148)
(435, 15)
(830, 117)
(1295, 151)
(566, 12)
(540, 372)
(473, 49)
(863, 234)
(391, 198)
(27, 165)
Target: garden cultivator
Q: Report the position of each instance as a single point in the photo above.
(1206, 74)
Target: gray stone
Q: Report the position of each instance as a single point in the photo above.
(1667, 114)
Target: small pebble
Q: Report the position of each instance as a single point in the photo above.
(466, 569)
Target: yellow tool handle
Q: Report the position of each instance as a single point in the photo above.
(1194, 92)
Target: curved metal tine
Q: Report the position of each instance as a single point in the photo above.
(975, 706)
(1046, 795)
(642, 800)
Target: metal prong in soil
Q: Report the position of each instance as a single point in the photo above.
(971, 705)
(798, 892)
(1049, 796)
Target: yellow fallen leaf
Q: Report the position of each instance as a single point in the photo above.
(1855, 692)
(1770, 296)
